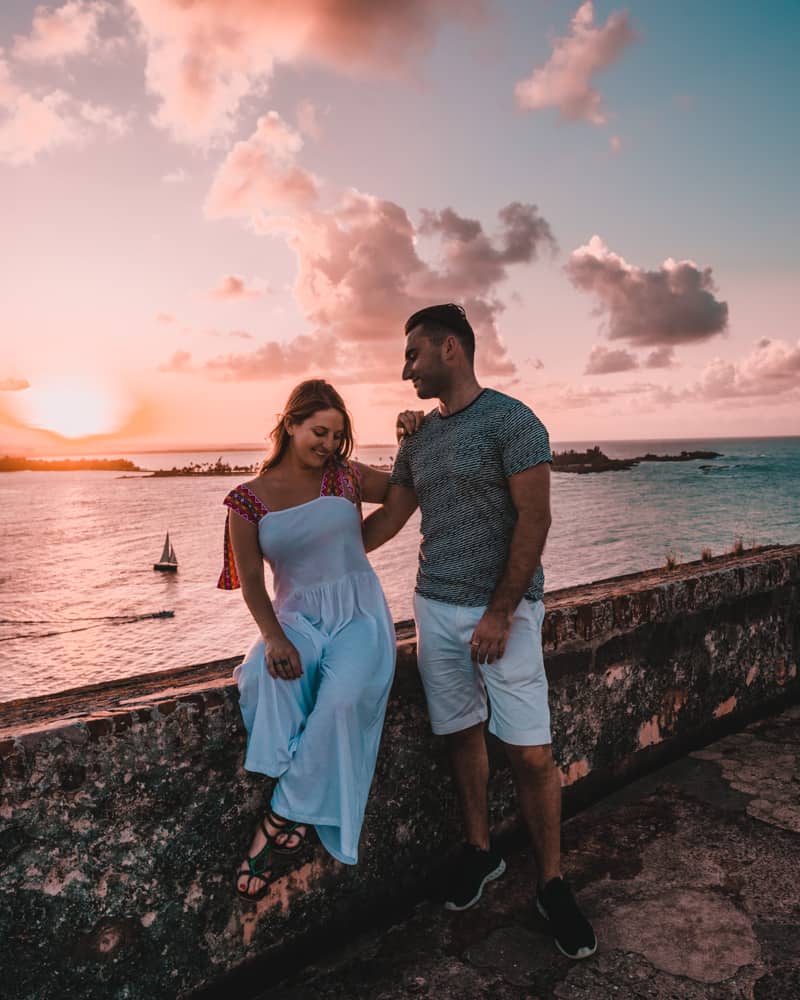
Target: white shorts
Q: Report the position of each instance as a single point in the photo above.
(456, 689)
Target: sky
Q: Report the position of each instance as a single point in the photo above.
(205, 201)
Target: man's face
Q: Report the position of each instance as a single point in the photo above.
(424, 366)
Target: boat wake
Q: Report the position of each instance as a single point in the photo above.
(97, 621)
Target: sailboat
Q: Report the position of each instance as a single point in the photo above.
(168, 563)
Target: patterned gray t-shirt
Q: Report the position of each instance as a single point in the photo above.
(458, 467)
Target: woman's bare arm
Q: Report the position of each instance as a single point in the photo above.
(384, 523)
(374, 483)
(282, 657)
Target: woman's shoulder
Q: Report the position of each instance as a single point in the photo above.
(346, 464)
(342, 478)
(244, 500)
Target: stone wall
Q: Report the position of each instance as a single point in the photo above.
(124, 808)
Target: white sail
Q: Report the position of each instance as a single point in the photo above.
(166, 550)
(172, 557)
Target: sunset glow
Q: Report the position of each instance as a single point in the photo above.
(72, 408)
(217, 200)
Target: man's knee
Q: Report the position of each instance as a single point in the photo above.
(535, 761)
(470, 737)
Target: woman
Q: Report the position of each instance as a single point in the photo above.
(314, 686)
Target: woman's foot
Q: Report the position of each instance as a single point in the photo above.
(288, 837)
(274, 834)
(255, 872)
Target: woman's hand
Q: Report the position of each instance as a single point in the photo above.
(408, 422)
(283, 660)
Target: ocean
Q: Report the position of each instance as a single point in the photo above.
(77, 550)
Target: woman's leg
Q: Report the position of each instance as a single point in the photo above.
(275, 712)
(328, 781)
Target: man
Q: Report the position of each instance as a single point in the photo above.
(478, 466)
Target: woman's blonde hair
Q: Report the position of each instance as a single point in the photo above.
(304, 400)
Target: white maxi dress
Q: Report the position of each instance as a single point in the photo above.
(319, 734)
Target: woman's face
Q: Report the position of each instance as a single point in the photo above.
(315, 439)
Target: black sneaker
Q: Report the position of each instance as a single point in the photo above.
(573, 933)
(473, 869)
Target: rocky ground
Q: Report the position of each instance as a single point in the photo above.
(691, 877)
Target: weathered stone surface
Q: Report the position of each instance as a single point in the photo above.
(752, 766)
(684, 932)
(514, 952)
(691, 897)
(124, 807)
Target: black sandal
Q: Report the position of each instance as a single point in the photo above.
(287, 829)
(257, 866)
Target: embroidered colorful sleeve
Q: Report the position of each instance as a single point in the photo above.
(246, 504)
(343, 480)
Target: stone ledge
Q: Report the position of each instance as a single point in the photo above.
(123, 807)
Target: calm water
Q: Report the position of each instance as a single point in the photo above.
(78, 547)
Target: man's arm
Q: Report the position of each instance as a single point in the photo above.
(384, 523)
(530, 494)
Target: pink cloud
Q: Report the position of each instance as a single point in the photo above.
(57, 34)
(575, 397)
(259, 174)
(9, 91)
(165, 318)
(564, 81)
(308, 120)
(180, 363)
(771, 371)
(234, 287)
(662, 357)
(36, 123)
(604, 361)
(615, 143)
(470, 256)
(673, 305)
(103, 117)
(359, 273)
(204, 57)
(274, 360)
(360, 276)
(14, 384)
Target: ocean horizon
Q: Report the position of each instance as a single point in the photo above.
(256, 447)
(79, 546)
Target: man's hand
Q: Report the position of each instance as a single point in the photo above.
(488, 642)
(408, 422)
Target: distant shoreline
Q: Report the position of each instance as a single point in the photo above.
(593, 460)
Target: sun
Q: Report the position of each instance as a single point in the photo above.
(73, 407)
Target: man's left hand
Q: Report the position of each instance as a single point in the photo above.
(488, 641)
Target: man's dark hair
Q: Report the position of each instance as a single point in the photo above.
(443, 321)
